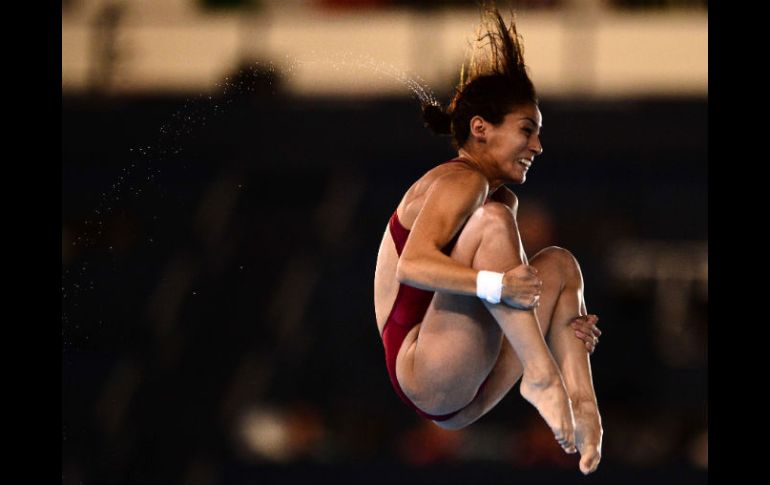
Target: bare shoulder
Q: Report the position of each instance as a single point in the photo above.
(446, 180)
(463, 176)
(460, 187)
(448, 203)
(450, 174)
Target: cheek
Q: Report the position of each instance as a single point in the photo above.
(519, 144)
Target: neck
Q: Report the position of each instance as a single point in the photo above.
(479, 165)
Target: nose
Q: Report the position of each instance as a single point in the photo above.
(536, 147)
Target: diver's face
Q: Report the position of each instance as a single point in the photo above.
(514, 143)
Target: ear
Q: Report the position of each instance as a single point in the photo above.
(479, 128)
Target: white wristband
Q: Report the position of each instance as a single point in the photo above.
(489, 286)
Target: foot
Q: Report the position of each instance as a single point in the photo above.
(588, 435)
(549, 397)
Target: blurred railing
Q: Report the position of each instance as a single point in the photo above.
(573, 47)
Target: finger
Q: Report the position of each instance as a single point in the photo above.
(578, 320)
(584, 327)
(534, 280)
(585, 337)
(592, 331)
(587, 325)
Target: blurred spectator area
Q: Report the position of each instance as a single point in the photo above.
(226, 314)
(347, 47)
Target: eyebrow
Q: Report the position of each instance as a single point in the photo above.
(539, 127)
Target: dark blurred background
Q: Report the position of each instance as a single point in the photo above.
(229, 168)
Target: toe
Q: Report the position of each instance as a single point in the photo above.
(589, 461)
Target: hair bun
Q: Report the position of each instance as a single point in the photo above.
(436, 119)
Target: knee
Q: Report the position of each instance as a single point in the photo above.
(562, 260)
(495, 215)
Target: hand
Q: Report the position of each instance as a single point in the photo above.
(587, 331)
(521, 287)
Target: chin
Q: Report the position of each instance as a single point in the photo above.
(519, 177)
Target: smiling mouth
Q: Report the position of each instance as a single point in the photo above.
(526, 163)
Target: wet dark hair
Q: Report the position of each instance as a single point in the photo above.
(493, 81)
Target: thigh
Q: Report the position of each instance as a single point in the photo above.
(507, 368)
(458, 341)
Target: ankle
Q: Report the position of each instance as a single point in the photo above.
(583, 402)
(541, 378)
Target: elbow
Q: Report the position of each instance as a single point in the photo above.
(403, 270)
(413, 268)
(410, 269)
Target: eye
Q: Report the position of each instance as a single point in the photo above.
(528, 131)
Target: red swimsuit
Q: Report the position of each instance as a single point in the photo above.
(408, 310)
